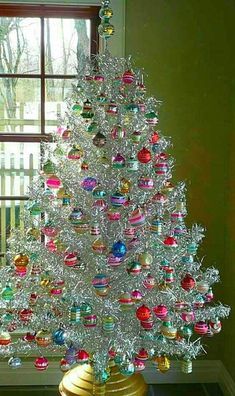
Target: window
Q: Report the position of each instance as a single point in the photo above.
(40, 50)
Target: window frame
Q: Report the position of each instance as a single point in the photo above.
(43, 11)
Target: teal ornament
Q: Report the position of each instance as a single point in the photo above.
(187, 259)
(92, 128)
(118, 359)
(187, 330)
(7, 317)
(76, 216)
(127, 368)
(103, 376)
(58, 336)
(7, 293)
(75, 314)
(86, 309)
(35, 209)
(192, 248)
(132, 107)
(98, 192)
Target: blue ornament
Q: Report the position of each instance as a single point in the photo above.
(59, 336)
(14, 362)
(127, 369)
(119, 249)
(70, 355)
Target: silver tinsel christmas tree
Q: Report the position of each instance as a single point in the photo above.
(106, 267)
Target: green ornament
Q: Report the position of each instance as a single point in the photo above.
(7, 317)
(77, 108)
(35, 209)
(48, 168)
(7, 293)
(86, 309)
(92, 128)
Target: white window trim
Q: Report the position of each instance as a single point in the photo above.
(117, 42)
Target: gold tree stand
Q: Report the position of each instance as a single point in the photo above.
(79, 381)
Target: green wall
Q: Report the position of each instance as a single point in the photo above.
(187, 49)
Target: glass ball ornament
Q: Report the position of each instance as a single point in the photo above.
(53, 182)
(119, 249)
(134, 268)
(75, 153)
(144, 156)
(89, 183)
(146, 183)
(139, 365)
(14, 362)
(186, 366)
(128, 77)
(145, 260)
(118, 132)
(132, 165)
(136, 296)
(137, 218)
(98, 192)
(113, 261)
(100, 281)
(90, 321)
(151, 118)
(98, 246)
(21, 260)
(86, 309)
(71, 259)
(59, 336)
(48, 168)
(108, 324)
(75, 314)
(125, 301)
(43, 338)
(87, 112)
(25, 315)
(106, 30)
(105, 13)
(99, 140)
(160, 311)
(64, 365)
(143, 313)
(5, 338)
(41, 363)
(163, 364)
(33, 234)
(127, 368)
(170, 242)
(7, 293)
(201, 327)
(118, 161)
(50, 230)
(149, 282)
(118, 199)
(188, 282)
(82, 356)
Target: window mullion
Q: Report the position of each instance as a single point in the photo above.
(42, 77)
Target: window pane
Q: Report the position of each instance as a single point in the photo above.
(19, 45)
(57, 90)
(19, 163)
(10, 217)
(19, 105)
(66, 41)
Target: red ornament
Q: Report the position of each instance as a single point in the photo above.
(160, 311)
(142, 355)
(82, 356)
(154, 138)
(29, 337)
(71, 259)
(128, 77)
(188, 283)
(201, 328)
(144, 155)
(25, 314)
(143, 313)
(41, 363)
(170, 241)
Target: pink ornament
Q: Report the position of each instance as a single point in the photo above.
(90, 320)
(188, 283)
(160, 311)
(139, 365)
(137, 218)
(147, 324)
(209, 295)
(41, 363)
(49, 231)
(98, 78)
(129, 232)
(51, 246)
(114, 261)
(53, 182)
(159, 198)
(113, 214)
(149, 282)
(201, 328)
(188, 316)
(57, 287)
(100, 204)
(161, 168)
(21, 271)
(136, 296)
(145, 183)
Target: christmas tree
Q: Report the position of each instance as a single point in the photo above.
(106, 267)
